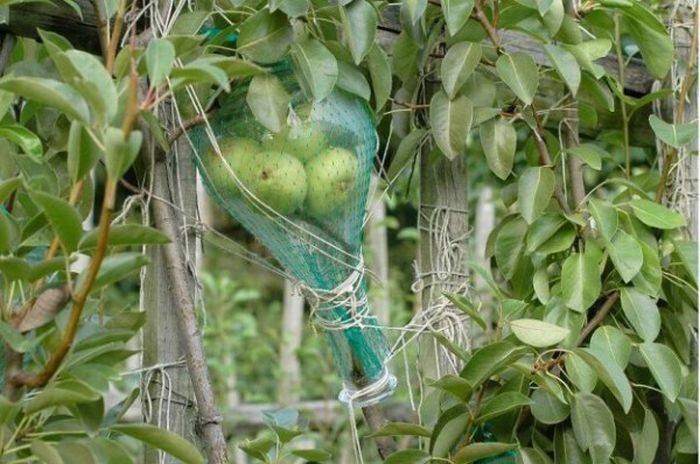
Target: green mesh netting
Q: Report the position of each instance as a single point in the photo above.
(302, 192)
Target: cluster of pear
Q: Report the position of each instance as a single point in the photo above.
(291, 170)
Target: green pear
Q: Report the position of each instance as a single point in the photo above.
(332, 176)
(303, 140)
(237, 152)
(277, 179)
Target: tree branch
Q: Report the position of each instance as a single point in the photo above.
(54, 362)
(375, 418)
(598, 318)
(479, 15)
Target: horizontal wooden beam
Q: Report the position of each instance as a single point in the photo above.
(26, 19)
(637, 79)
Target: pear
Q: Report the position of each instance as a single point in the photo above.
(237, 152)
(332, 177)
(277, 179)
(303, 140)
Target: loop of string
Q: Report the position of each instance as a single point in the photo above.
(349, 296)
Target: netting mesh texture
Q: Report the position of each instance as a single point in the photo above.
(302, 192)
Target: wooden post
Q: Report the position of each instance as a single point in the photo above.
(484, 223)
(379, 260)
(682, 189)
(292, 327)
(443, 210)
(170, 401)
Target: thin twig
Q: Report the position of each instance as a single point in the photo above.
(187, 125)
(546, 159)
(102, 29)
(598, 318)
(40, 379)
(375, 418)
(479, 15)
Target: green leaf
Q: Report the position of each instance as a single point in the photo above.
(535, 189)
(268, 101)
(119, 152)
(645, 441)
(359, 20)
(450, 122)
(49, 92)
(116, 267)
(463, 304)
(642, 313)
(265, 37)
(110, 451)
(456, 13)
(13, 268)
(566, 448)
(82, 152)
(580, 281)
(351, 79)
(170, 442)
(675, 135)
(605, 216)
(317, 66)
(407, 150)
(626, 255)
(63, 394)
(510, 246)
(540, 283)
(611, 342)
(589, 51)
(594, 426)
(538, 333)
(610, 374)
(20, 343)
(27, 140)
(125, 235)
(200, 71)
(97, 87)
(490, 360)
(656, 215)
(651, 37)
(458, 64)
(312, 454)
(394, 429)
(451, 346)
(590, 154)
(687, 251)
(565, 64)
(8, 233)
(64, 219)
(547, 231)
(664, 366)
(408, 456)
(292, 8)
(453, 385)
(533, 456)
(8, 186)
(380, 74)
(414, 8)
(45, 452)
(501, 404)
(649, 278)
(580, 373)
(477, 451)
(519, 72)
(499, 141)
(547, 409)
(160, 57)
(449, 429)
